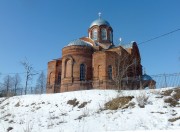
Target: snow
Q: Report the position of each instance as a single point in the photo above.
(51, 113)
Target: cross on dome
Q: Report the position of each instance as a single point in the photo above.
(120, 40)
(99, 14)
(100, 21)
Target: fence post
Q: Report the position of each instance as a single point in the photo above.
(165, 80)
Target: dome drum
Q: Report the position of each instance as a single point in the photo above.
(101, 33)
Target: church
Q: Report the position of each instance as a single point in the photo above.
(95, 62)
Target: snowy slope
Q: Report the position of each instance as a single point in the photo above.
(51, 113)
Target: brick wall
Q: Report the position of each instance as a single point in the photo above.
(75, 55)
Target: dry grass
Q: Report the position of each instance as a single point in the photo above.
(17, 105)
(7, 115)
(131, 104)
(119, 102)
(63, 114)
(37, 108)
(174, 119)
(82, 105)
(174, 96)
(159, 112)
(33, 104)
(1, 101)
(85, 113)
(159, 96)
(11, 121)
(171, 101)
(9, 129)
(3, 106)
(142, 100)
(100, 109)
(167, 92)
(54, 117)
(80, 117)
(73, 102)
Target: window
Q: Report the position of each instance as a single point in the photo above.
(82, 72)
(103, 34)
(99, 72)
(59, 78)
(68, 66)
(50, 76)
(89, 35)
(94, 34)
(110, 72)
(110, 34)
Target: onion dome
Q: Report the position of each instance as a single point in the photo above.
(79, 42)
(146, 77)
(99, 22)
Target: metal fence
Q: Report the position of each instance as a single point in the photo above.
(162, 80)
(167, 80)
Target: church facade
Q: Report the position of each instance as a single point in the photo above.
(94, 62)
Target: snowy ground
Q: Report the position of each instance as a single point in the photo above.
(51, 113)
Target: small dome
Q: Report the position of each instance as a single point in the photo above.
(79, 42)
(126, 46)
(146, 77)
(99, 22)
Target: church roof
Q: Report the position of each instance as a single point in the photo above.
(79, 42)
(99, 22)
(130, 45)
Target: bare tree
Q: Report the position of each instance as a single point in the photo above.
(0, 88)
(0, 82)
(16, 82)
(123, 66)
(7, 84)
(41, 83)
(29, 73)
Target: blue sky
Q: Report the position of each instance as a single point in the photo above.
(39, 29)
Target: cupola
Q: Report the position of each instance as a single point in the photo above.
(100, 31)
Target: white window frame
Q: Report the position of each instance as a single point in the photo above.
(94, 34)
(103, 34)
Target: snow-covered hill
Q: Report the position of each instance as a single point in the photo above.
(85, 111)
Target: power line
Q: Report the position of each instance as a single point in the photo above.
(159, 36)
(138, 44)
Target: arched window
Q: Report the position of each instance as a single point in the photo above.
(50, 78)
(59, 78)
(99, 72)
(103, 34)
(82, 72)
(110, 34)
(94, 34)
(68, 67)
(110, 72)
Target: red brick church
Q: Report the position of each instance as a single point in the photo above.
(94, 62)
